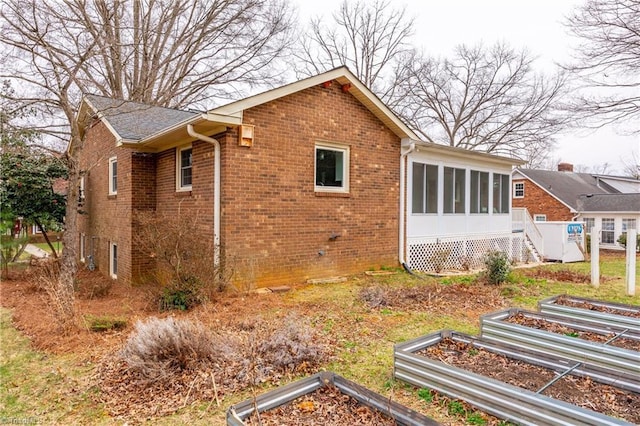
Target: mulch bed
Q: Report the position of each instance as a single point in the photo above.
(325, 406)
(580, 391)
(553, 327)
(599, 308)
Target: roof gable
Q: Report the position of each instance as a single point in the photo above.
(344, 77)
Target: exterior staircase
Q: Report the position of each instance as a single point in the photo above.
(522, 222)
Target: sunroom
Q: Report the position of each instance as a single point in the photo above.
(458, 208)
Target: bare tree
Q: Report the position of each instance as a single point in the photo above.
(631, 165)
(163, 52)
(607, 61)
(484, 99)
(367, 37)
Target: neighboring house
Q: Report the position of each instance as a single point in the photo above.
(564, 195)
(314, 179)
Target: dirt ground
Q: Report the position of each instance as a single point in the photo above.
(98, 296)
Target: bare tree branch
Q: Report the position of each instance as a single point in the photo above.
(367, 37)
(606, 63)
(482, 99)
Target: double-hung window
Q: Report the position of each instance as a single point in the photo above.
(113, 260)
(589, 223)
(628, 224)
(424, 195)
(454, 194)
(518, 190)
(501, 189)
(331, 168)
(113, 176)
(608, 230)
(479, 192)
(184, 162)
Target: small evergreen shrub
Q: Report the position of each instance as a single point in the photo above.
(498, 267)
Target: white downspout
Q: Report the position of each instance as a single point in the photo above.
(216, 187)
(401, 219)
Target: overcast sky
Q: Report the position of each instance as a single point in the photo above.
(534, 24)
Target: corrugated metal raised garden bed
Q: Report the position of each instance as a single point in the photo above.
(458, 365)
(305, 401)
(607, 313)
(505, 327)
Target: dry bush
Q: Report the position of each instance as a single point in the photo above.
(161, 349)
(292, 346)
(60, 296)
(184, 258)
(168, 363)
(375, 297)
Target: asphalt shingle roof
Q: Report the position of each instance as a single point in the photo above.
(609, 203)
(136, 121)
(568, 186)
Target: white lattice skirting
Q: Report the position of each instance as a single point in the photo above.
(463, 252)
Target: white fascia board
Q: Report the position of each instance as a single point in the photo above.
(468, 154)
(102, 118)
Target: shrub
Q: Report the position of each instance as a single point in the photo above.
(291, 346)
(161, 348)
(188, 267)
(622, 240)
(498, 267)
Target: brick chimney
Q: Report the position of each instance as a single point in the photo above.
(565, 167)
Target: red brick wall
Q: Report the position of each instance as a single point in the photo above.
(275, 227)
(107, 218)
(539, 201)
(273, 224)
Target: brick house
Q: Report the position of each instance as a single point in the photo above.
(305, 181)
(564, 195)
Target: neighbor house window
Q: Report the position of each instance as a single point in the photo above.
(113, 260)
(81, 191)
(501, 193)
(479, 192)
(424, 197)
(518, 190)
(454, 184)
(331, 168)
(184, 161)
(35, 229)
(82, 247)
(540, 218)
(608, 230)
(113, 176)
(628, 224)
(589, 223)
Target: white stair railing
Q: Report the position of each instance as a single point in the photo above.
(522, 221)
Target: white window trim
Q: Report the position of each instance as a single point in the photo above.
(111, 161)
(344, 189)
(515, 190)
(111, 260)
(536, 216)
(179, 186)
(82, 247)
